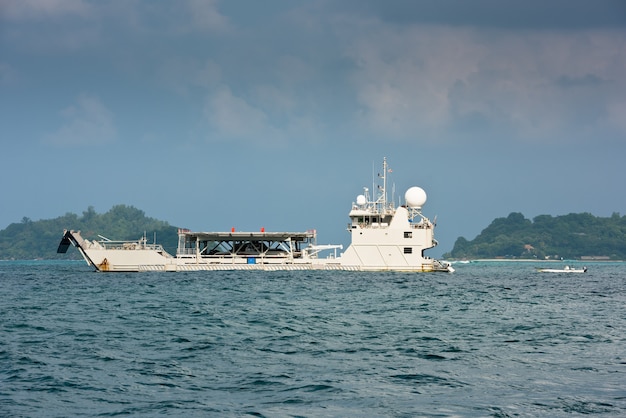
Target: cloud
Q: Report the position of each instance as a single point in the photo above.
(617, 116)
(46, 26)
(267, 115)
(399, 70)
(8, 75)
(180, 18)
(205, 16)
(87, 122)
(83, 24)
(233, 118)
(183, 74)
(439, 81)
(529, 14)
(403, 76)
(566, 81)
(43, 9)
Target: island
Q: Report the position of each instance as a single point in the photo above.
(576, 236)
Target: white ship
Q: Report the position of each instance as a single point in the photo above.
(383, 238)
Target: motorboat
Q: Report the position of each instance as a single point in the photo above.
(566, 269)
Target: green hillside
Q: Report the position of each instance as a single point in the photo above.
(572, 236)
(29, 240)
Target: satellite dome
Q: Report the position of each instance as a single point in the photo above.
(360, 200)
(415, 197)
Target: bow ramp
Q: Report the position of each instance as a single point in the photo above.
(69, 238)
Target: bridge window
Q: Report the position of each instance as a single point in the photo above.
(408, 234)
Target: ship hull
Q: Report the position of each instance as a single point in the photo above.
(121, 261)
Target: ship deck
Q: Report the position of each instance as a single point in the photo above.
(244, 244)
(250, 236)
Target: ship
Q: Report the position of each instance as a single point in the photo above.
(383, 238)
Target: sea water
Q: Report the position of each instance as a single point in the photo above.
(492, 339)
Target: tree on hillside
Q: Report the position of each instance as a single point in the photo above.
(568, 236)
(39, 239)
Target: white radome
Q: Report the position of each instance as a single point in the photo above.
(360, 200)
(415, 197)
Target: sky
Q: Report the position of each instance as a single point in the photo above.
(216, 114)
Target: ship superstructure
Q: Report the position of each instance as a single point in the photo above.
(388, 238)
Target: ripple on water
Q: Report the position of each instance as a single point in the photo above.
(489, 340)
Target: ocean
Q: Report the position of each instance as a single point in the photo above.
(493, 339)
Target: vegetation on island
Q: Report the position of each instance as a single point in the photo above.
(573, 236)
(28, 240)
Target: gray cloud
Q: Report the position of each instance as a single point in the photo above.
(398, 70)
(531, 14)
(87, 122)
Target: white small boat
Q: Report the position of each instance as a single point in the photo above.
(383, 238)
(566, 269)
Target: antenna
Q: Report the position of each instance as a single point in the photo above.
(384, 182)
(373, 181)
(382, 199)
